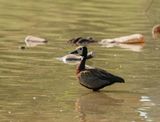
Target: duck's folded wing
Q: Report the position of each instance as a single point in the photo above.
(108, 76)
(98, 77)
(102, 74)
(94, 79)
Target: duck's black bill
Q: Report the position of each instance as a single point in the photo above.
(74, 52)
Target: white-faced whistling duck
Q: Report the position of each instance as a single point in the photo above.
(93, 78)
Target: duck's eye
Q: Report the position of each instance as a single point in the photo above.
(80, 49)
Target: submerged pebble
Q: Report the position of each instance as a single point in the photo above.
(22, 47)
(34, 98)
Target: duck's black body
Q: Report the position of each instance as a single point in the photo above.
(97, 78)
(94, 78)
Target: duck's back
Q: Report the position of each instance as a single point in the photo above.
(95, 78)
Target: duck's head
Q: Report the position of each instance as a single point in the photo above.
(82, 50)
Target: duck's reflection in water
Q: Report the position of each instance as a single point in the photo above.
(131, 47)
(93, 105)
(112, 106)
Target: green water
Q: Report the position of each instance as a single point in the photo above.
(35, 87)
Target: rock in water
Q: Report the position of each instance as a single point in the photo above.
(156, 31)
(32, 41)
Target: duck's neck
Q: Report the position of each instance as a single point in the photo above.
(81, 66)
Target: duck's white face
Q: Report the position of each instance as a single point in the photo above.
(80, 50)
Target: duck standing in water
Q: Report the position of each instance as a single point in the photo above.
(82, 41)
(93, 78)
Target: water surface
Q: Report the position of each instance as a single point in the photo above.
(36, 87)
